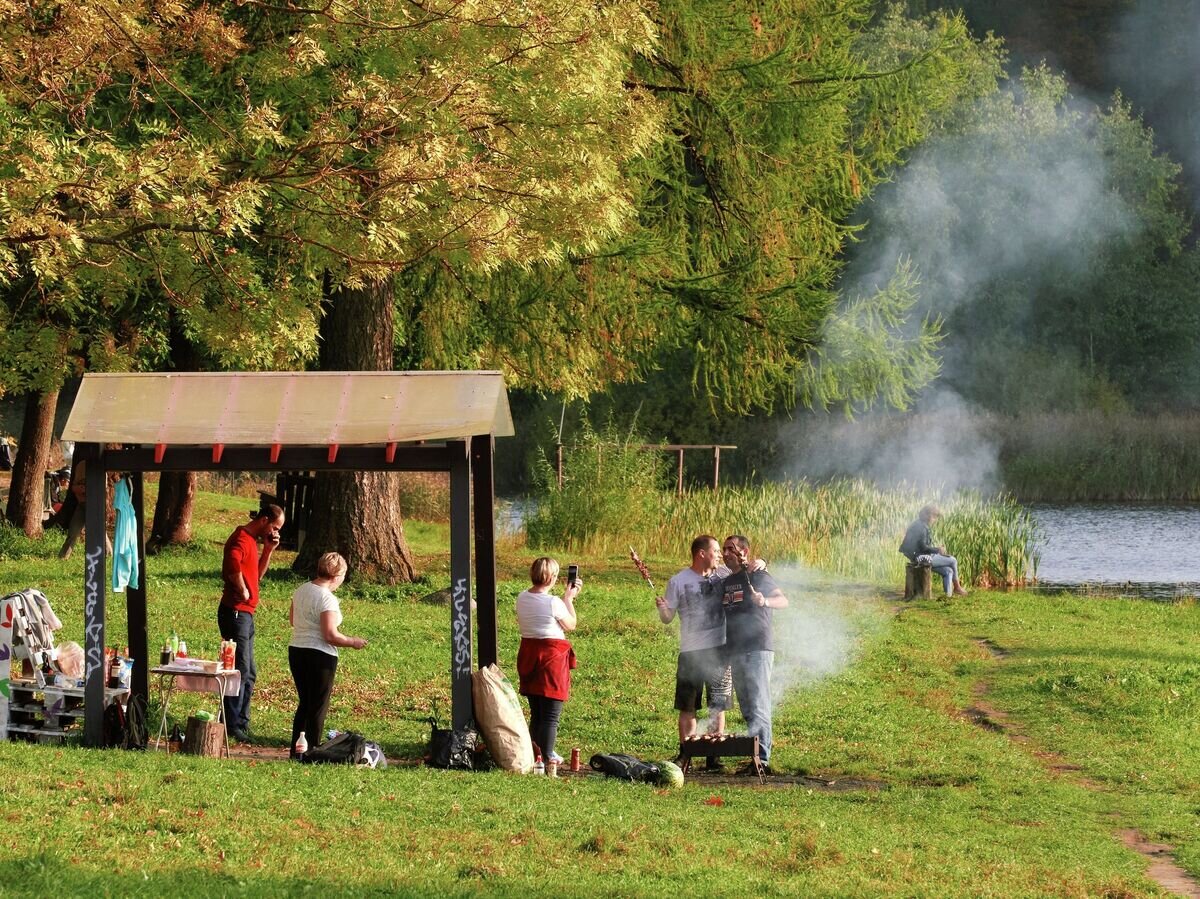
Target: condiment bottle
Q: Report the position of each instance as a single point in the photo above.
(182, 649)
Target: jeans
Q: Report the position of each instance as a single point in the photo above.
(239, 626)
(543, 723)
(947, 567)
(752, 683)
(313, 671)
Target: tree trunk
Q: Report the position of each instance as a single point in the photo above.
(172, 510)
(33, 458)
(176, 489)
(358, 514)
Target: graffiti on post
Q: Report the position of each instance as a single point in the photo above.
(461, 629)
(95, 627)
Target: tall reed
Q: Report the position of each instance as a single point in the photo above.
(845, 527)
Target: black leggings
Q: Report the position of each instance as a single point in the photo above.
(543, 723)
(313, 672)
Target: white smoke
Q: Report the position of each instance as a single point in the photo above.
(946, 445)
(818, 635)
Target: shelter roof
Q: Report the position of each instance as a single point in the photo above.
(288, 408)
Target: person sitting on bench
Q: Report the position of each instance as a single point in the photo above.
(918, 542)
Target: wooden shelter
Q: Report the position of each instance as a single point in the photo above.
(273, 421)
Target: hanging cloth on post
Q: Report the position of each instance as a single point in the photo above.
(125, 559)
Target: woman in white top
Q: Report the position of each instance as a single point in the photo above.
(316, 617)
(545, 658)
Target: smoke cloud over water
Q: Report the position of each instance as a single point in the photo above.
(946, 447)
(996, 219)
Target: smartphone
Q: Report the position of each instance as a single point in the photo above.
(572, 575)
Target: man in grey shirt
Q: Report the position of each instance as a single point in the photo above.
(693, 594)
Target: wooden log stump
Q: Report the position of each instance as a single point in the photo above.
(918, 581)
(205, 738)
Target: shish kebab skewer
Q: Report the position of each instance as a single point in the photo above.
(641, 567)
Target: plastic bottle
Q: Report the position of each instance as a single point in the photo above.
(182, 649)
(174, 643)
(539, 767)
(552, 768)
(175, 743)
(301, 744)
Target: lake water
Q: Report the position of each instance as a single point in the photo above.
(1144, 550)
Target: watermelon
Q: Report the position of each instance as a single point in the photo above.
(669, 775)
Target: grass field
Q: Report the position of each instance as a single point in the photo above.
(1092, 705)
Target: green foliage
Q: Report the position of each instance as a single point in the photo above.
(217, 161)
(1048, 236)
(610, 486)
(780, 120)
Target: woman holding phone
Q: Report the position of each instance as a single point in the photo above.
(545, 659)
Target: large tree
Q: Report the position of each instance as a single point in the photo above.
(782, 117)
(237, 164)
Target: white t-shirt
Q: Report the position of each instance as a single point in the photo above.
(538, 614)
(308, 603)
(701, 615)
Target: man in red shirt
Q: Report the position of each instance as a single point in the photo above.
(241, 569)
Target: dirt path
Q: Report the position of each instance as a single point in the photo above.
(1162, 868)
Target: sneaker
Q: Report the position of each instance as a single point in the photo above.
(555, 757)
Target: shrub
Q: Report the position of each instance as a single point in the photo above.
(611, 487)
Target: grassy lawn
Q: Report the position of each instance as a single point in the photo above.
(876, 692)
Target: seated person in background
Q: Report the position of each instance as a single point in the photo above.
(918, 541)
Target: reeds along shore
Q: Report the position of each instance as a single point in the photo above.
(849, 528)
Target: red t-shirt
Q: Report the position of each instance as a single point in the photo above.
(241, 554)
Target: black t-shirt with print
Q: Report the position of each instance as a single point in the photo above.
(747, 624)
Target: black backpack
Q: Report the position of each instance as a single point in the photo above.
(347, 748)
(125, 728)
(625, 767)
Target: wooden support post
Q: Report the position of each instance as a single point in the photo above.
(461, 709)
(135, 599)
(716, 467)
(95, 593)
(679, 479)
(558, 460)
(483, 479)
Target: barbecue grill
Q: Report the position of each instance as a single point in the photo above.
(720, 746)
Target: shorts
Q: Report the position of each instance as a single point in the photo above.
(697, 671)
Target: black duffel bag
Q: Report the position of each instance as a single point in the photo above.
(625, 767)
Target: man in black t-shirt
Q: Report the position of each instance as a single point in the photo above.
(749, 599)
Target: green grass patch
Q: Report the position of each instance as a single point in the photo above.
(1109, 685)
